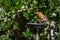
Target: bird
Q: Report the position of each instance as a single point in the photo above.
(41, 17)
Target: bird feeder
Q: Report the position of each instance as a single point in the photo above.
(36, 27)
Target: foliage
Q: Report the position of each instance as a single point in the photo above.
(27, 34)
(9, 9)
(4, 37)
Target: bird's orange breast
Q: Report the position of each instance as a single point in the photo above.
(40, 15)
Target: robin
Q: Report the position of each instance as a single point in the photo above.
(41, 16)
(45, 20)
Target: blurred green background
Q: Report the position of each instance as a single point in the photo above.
(14, 14)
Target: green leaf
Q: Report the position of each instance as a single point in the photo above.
(15, 26)
(26, 15)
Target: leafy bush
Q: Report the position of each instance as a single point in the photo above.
(14, 14)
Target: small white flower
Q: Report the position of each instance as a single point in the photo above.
(35, 1)
(56, 33)
(1, 9)
(5, 19)
(26, 6)
(53, 14)
(52, 24)
(19, 10)
(23, 6)
(13, 16)
(13, 11)
(52, 38)
(52, 32)
(9, 19)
